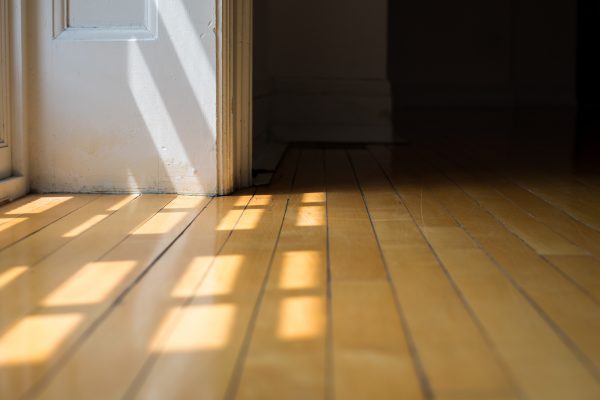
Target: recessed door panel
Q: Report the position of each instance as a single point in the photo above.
(107, 13)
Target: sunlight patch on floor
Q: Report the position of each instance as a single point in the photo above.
(39, 206)
(199, 327)
(186, 284)
(161, 223)
(300, 270)
(223, 276)
(36, 338)
(84, 226)
(314, 197)
(7, 223)
(120, 204)
(91, 284)
(301, 318)
(6, 277)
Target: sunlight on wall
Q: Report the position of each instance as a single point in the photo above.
(6, 277)
(91, 284)
(189, 49)
(199, 327)
(36, 338)
(152, 108)
(176, 95)
(301, 270)
(301, 318)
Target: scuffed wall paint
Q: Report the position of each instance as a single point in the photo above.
(125, 116)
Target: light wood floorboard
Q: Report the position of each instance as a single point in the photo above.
(423, 272)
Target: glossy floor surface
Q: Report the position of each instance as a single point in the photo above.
(359, 273)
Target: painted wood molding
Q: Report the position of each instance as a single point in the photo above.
(12, 188)
(234, 94)
(13, 102)
(4, 74)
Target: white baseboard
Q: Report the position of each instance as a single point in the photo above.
(12, 188)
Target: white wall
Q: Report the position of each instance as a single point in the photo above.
(123, 115)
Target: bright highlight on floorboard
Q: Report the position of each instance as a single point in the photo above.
(370, 272)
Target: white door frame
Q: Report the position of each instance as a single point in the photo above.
(17, 185)
(234, 94)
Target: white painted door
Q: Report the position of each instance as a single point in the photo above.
(122, 95)
(5, 153)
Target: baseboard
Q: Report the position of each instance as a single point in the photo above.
(334, 133)
(12, 188)
(331, 102)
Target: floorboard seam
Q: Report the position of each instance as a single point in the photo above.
(48, 224)
(581, 356)
(410, 342)
(470, 311)
(238, 368)
(71, 350)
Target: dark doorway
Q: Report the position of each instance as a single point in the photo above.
(588, 80)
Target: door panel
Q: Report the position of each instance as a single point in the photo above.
(107, 13)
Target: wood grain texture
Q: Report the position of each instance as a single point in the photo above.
(164, 291)
(68, 291)
(287, 352)
(430, 302)
(422, 272)
(371, 355)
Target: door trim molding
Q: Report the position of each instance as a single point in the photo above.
(234, 94)
(4, 75)
(17, 185)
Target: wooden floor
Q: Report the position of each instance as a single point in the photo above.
(359, 273)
